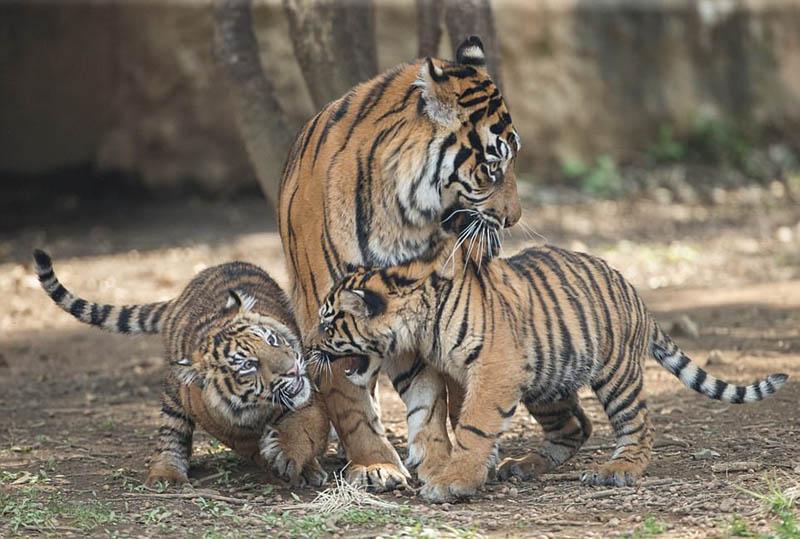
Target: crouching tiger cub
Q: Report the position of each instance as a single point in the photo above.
(236, 369)
(534, 327)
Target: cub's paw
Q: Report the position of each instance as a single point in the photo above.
(438, 491)
(491, 464)
(526, 469)
(612, 475)
(377, 477)
(163, 473)
(436, 458)
(518, 468)
(278, 460)
(453, 482)
(313, 475)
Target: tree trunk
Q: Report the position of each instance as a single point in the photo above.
(334, 43)
(468, 17)
(429, 27)
(262, 121)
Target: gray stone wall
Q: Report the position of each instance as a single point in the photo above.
(132, 86)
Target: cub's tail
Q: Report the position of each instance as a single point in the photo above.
(129, 319)
(672, 358)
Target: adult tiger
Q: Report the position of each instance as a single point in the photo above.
(372, 180)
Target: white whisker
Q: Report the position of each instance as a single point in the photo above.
(457, 212)
(461, 239)
(531, 231)
(474, 235)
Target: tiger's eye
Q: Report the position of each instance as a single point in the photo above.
(249, 364)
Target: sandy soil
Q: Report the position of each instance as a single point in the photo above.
(78, 408)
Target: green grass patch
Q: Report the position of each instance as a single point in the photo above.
(781, 503)
(600, 178)
(649, 528)
(34, 509)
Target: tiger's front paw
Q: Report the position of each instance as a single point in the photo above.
(436, 458)
(377, 477)
(613, 474)
(313, 475)
(452, 483)
(281, 460)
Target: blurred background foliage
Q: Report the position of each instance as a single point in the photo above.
(612, 98)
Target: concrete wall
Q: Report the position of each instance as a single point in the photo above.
(132, 86)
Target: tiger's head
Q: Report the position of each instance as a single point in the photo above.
(250, 362)
(368, 315)
(474, 168)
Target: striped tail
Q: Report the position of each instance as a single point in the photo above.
(129, 319)
(672, 358)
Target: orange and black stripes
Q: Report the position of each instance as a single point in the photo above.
(234, 352)
(128, 319)
(534, 327)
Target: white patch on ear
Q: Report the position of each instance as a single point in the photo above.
(441, 112)
(245, 302)
(352, 301)
(474, 53)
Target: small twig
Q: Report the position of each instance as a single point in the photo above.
(658, 482)
(185, 496)
(211, 477)
(598, 447)
(668, 442)
(603, 494)
(561, 522)
(568, 476)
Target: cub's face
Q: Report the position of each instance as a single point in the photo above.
(364, 321)
(252, 362)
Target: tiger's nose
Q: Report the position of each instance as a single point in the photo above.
(513, 217)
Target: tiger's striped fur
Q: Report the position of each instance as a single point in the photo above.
(236, 369)
(534, 328)
(373, 179)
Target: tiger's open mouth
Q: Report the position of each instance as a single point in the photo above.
(353, 363)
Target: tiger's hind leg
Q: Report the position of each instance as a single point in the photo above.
(171, 462)
(565, 427)
(621, 397)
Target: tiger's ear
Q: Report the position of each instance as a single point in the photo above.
(361, 303)
(471, 52)
(239, 302)
(186, 371)
(440, 103)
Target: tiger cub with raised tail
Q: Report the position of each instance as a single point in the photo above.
(535, 328)
(236, 368)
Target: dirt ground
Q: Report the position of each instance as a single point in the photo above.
(79, 408)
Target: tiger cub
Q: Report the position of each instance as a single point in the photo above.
(534, 327)
(236, 369)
